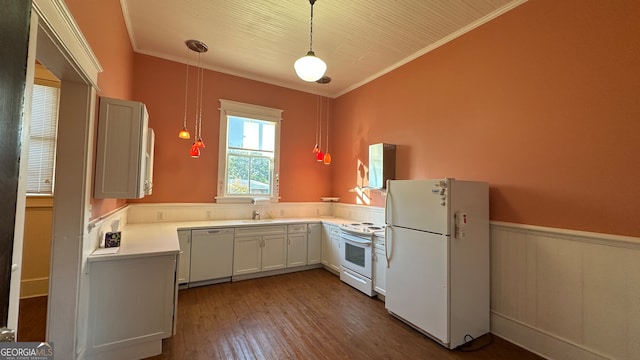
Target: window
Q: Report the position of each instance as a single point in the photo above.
(249, 152)
(42, 140)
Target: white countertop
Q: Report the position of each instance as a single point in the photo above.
(152, 239)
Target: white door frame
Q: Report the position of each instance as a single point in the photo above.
(61, 47)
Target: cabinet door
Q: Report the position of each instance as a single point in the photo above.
(247, 255)
(314, 244)
(211, 254)
(121, 149)
(334, 261)
(184, 260)
(296, 249)
(149, 157)
(274, 252)
(130, 300)
(379, 271)
(326, 244)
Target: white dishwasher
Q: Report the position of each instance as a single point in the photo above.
(211, 256)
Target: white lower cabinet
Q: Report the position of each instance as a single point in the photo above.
(274, 252)
(259, 248)
(247, 255)
(131, 306)
(331, 247)
(380, 270)
(314, 243)
(297, 245)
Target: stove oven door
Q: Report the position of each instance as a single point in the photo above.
(356, 254)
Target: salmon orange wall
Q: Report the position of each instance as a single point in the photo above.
(102, 24)
(543, 102)
(178, 178)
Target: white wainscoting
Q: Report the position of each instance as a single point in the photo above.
(566, 294)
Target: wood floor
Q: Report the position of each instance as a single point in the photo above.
(304, 315)
(32, 319)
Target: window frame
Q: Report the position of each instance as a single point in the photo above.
(250, 111)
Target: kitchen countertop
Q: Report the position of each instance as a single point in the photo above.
(152, 239)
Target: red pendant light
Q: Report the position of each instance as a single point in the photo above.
(325, 157)
(195, 151)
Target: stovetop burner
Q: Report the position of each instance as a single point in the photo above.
(363, 227)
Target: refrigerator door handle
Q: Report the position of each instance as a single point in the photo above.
(387, 240)
(387, 204)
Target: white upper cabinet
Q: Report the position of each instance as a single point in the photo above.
(124, 158)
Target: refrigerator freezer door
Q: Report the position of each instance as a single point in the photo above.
(417, 280)
(418, 204)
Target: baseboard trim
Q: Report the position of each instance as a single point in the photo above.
(274, 272)
(539, 342)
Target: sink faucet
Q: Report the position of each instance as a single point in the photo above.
(255, 215)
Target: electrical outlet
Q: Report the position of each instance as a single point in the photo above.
(317, 211)
(281, 212)
(160, 215)
(208, 214)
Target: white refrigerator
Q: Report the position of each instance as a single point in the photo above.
(437, 249)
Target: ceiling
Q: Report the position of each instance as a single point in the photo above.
(359, 40)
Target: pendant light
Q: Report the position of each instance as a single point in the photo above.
(310, 67)
(316, 148)
(326, 158)
(199, 47)
(319, 153)
(320, 156)
(184, 133)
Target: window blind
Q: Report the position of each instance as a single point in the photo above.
(42, 140)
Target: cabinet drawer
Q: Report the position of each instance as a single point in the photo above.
(261, 230)
(297, 228)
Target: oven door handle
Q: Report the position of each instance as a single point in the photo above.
(356, 241)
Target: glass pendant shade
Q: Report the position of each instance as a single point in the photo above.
(320, 156)
(184, 134)
(327, 158)
(199, 143)
(310, 67)
(316, 149)
(195, 151)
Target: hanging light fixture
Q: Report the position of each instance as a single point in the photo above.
(199, 141)
(320, 156)
(326, 158)
(316, 148)
(199, 47)
(184, 133)
(194, 152)
(310, 67)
